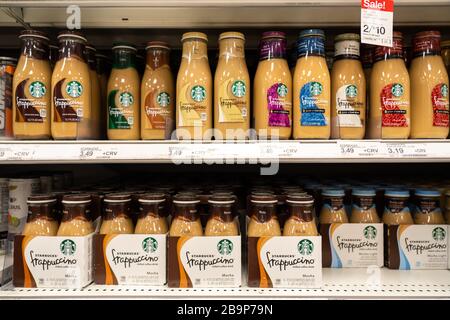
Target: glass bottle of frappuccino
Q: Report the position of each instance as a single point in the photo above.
(152, 214)
(333, 210)
(221, 221)
(363, 207)
(116, 215)
(41, 220)
(76, 215)
(428, 208)
(396, 211)
(301, 216)
(186, 220)
(263, 218)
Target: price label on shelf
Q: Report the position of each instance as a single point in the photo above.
(376, 22)
(363, 149)
(406, 150)
(99, 153)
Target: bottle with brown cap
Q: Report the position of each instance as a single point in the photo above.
(95, 92)
(194, 89)
(152, 219)
(32, 88)
(157, 94)
(41, 220)
(123, 97)
(263, 219)
(186, 220)
(76, 219)
(231, 89)
(301, 216)
(116, 214)
(71, 90)
(221, 221)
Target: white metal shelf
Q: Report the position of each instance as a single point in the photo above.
(215, 152)
(337, 284)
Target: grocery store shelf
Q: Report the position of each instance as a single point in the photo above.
(338, 284)
(215, 152)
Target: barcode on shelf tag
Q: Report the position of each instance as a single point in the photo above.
(363, 149)
(406, 150)
(376, 22)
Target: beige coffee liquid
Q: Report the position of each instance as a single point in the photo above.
(231, 89)
(297, 227)
(78, 226)
(263, 229)
(364, 216)
(435, 217)
(328, 216)
(185, 227)
(151, 224)
(120, 224)
(194, 90)
(403, 217)
(217, 227)
(41, 227)
(157, 94)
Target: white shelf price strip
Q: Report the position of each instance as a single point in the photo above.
(360, 149)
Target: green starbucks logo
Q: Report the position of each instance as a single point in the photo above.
(68, 247)
(397, 90)
(444, 90)
(225, 247)
(74, 89)
(315, 88)
(370, 232)
(238, 88)
(351, 91)
(438, 234)
(305, 247)
(126, 99)
(149, 245)
(163, 99)
(37, 89)
(198, 93)
(282, 90)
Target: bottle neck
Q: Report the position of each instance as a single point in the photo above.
(35, 48)
(231, 48)
(272, 49)
(72, 49)
(157, 57)
(117, 210)
(42, 211)
(153, 209)
(187, 212)
(124, 58)
(223, 212)
(195, 50)
(303, 212)
(262, 212)
(76, 211)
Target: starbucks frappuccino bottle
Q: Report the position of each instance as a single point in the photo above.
(123, 95)
(263, 219)
(221, 221)
(41, 220)
(116, 214)
(95, 93)
(32, 88)
(152, 214)
(348, 90)
(333, 210)
(428, 208)
(429, 88)
(301, 216)
(76, 219)
(390, 93)
(363, 207)
(157, 94)
(396, 209)
(231, 89)
(186, 220)
(311, 87)
(272, 88)
(194, 89)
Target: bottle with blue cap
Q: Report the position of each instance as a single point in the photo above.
(311, 87)
(396, 210)
(333, 210)
(428, 208)
(363, 208)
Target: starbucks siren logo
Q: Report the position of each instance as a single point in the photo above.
(163, 99)
(397, 90)
(37, 89)
(282, 90)
(305, 247)
(74, 89)
(444, 90)
(238, 88)
(126, 99)
(198, 93)
(68, 247)
(370, 232)
(149, 244)
(351, 91)
(316, 88)
(225, 247)
(438, 234)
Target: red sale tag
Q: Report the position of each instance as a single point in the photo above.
(376, 22)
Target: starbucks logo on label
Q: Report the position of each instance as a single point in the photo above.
(163, 99)
(74, 89)
(351, 91)
(370, 232)
(225, 247)
(238, 88)
(444, 90)
(198, 93)
(316, 88)
(149, 244)
(305, 247)
(438, 234)
(68, 247)
(397, 90)
(37, 89)
(126, 99)
(282, 90)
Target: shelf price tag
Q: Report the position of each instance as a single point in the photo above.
(364, 149)
(376, 22)
(406, 150)
(98, 153)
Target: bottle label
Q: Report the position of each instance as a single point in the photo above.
(31, 101)
(346, 48)
(278, 105)
(349, 107)
(233, 106)
(120, 110)
(157, 110)
(394, 104)
(192, 106)
(439, 100)
(68, 105)
(397, 206)
(312, 106)
(6, 80)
